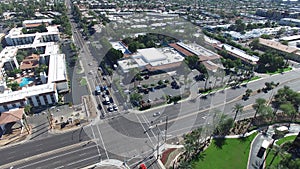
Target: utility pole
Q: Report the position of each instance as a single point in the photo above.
(157, 149)
(166, 129)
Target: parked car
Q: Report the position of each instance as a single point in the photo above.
(110, 108)
(115, 107)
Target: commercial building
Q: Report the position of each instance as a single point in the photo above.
(152, 59)
(287, 51)
(290, 22)
(206, 56)
(238, 53)
(36, 23)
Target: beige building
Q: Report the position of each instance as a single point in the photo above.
(288, 52)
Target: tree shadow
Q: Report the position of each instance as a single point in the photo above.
(201, 156)
(242, 139)
(219, 142)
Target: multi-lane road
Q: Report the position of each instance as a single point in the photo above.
(131, 137)
(124, 137)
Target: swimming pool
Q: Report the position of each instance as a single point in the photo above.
(25, 81)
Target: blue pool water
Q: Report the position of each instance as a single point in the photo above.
(25, 81)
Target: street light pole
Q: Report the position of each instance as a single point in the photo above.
(166, 129)
(157, 149)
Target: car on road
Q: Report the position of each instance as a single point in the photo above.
(156, 114)
(115, 107)
(104, 78)
(90, 64)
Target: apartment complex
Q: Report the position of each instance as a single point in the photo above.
(17, 36)
(42, 72)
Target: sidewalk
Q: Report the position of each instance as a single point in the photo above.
(108, 164)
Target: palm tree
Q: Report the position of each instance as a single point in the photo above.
(259, 102)
(185, 165)
(27, 108)
(188, 149)
(238, 108)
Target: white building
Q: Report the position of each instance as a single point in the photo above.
(17, 37)
(290, 21)
(41, 95)
(152, 59)
(36, 22)
(37, 95)
(239, 53)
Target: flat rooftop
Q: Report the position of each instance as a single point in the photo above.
(239, 52)
(57, 68)
(37, 21)
(201, 52)
(17, 32)
(291, 38)
(152, 55)
(277, 45)
(27, 92)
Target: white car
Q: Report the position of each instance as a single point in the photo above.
(156, 114)
(115, 107)
(110, 109)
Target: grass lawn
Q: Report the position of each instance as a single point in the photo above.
(279, 71)
(270, 157)
(253, 78)
(83, 82)
(225, 154)
(286, 139)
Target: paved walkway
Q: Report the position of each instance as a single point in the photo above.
(255, 162)
(108, 164)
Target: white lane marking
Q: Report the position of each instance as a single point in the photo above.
(82, 154)
(51, 158)
(102, 142)
(144, 129)
(82, 160)
(148, 123)
(59, 167)
(96, 141)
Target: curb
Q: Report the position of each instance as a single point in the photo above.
(250, 152)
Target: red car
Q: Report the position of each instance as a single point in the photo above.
(143, 166)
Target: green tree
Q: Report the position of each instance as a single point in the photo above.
(288, 109)
(27, 108)
(14, 86)
(136, 97)
(192, 61)
(238, 108)
(259, 106)
(114, 55)
(160, 82)
(132, 47)
(224, 126)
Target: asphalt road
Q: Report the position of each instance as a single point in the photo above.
(132, 137)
